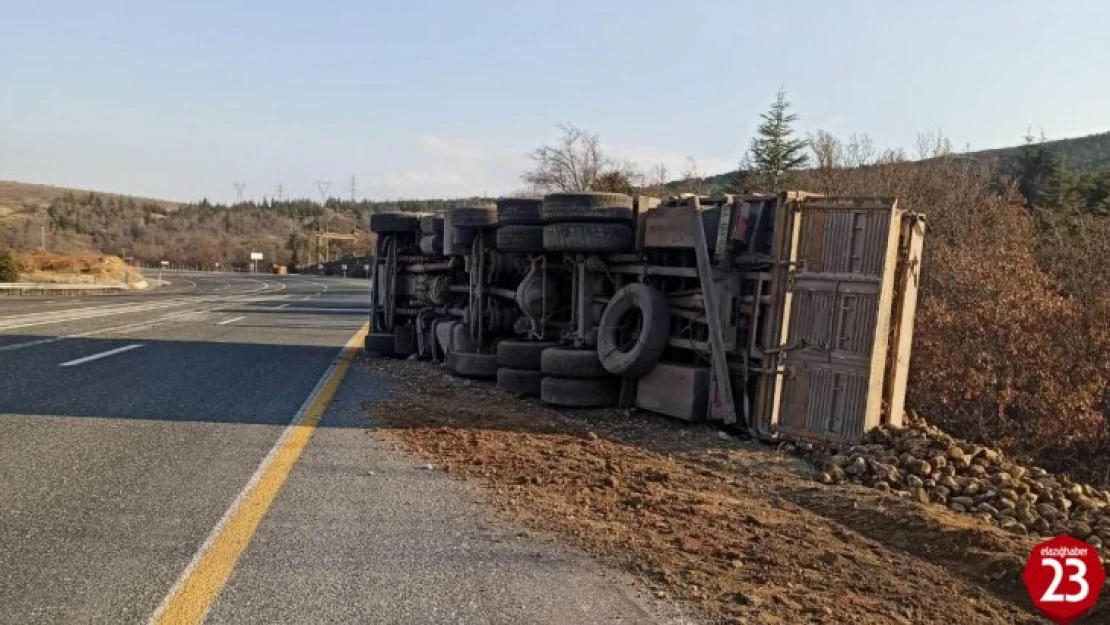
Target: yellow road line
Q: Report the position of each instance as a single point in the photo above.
(193, 594)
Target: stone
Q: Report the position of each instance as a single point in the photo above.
(956, 454)
(914, 482)
(921, 495)
(988, 454)
(1047, 510)
(1095, 541)
(965, 502)
(1041, 526)
(957, 507)
(986, 508)
(857, 467)
(1080, 529)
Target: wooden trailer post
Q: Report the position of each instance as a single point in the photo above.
(907, 283)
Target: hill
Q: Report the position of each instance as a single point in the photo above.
(1080, 154)
(194, 234)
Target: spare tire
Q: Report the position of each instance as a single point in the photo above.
(520, 238)
(521, 354)
(559, 207)
(572, 363)
(587, 237)
(393, 222)
(519, 211)
(471, 365)
(519, 381)
(573, 393)
(633, 330)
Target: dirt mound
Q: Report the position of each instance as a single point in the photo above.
(40, 266)
(929, 466)
(739, 531)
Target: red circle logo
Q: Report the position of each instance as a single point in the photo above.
(1064, 576)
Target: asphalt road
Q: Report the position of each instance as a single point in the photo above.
(131, 424)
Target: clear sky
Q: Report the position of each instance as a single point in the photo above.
(427, 98)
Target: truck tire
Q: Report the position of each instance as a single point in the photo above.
(519, 211)
(587, 237)
(560, 207)
(519, 354)
(633, 330)
(574, 393)
(471, 365)
(460, 338)
(474, 216)
(393, 222)
(379, 344)
(431, 224)
(519, 381)
(520, 238)
(431, 244)
(572, 363)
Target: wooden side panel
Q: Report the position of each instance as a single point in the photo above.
(838, 312)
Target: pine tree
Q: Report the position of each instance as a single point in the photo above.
(775, 152)
(1039, 173)
(8, 271)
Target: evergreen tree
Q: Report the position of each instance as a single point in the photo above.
(775, 152)
(8, 271)
(1038, 173)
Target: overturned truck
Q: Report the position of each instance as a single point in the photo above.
(782, 315)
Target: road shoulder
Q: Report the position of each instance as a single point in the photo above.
(364, 531)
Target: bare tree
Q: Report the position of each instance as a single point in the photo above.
(860, 150)
(828, 158)
(655, 181)
(693, 179)
(572, 164)
(933, 144)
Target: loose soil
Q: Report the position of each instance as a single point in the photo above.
(736, 530)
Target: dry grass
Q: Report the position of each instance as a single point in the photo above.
(47, 267)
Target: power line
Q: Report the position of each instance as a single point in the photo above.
(354, 187)
(239, 186)
(280, 191)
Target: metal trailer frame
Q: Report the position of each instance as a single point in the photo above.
(791, 314)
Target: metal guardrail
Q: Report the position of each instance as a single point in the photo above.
(16, 289)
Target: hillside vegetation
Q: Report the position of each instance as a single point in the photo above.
(198, 234)
(1081, 154)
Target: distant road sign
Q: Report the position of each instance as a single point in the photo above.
(256, 255)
